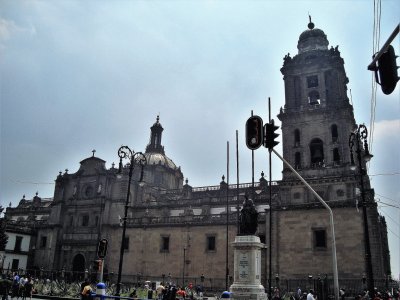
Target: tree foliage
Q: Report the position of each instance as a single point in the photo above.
(3, 235)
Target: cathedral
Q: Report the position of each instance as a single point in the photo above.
(176, 230)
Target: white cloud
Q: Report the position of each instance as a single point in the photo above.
(387, 129)
(9, 28)
(6, 27)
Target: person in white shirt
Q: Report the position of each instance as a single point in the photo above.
(310, 295)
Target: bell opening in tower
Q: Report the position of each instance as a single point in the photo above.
(317, 153)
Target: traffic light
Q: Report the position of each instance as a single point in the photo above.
(387, 69)
(102, 248)
(254, 132)
(270, 135)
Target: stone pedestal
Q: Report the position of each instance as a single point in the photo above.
(247, 269)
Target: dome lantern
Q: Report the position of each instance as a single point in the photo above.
(312, 39)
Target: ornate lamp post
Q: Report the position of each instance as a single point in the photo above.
(356, 138)
(138, 158)
(183, 267)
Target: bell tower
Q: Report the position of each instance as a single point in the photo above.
(317, 117)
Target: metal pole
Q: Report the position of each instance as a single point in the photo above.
(252, 170)
(237, 182)
(122, 248)
(126, 152)
(372, 65)
(227, 215)
(101, 270)
(270, 210)
(370, 275)
(334, 259)
(183, 273)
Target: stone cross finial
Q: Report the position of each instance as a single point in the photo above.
(94, 151)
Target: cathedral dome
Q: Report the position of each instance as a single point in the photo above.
(155, 153)
(312, 39)
(159, 159)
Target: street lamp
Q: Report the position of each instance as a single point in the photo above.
(356, 138)
(138, 158)
(183, 272)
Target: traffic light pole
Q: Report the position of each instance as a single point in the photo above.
(334, 259)
(372, 65)
(270, 210)
(101, 269)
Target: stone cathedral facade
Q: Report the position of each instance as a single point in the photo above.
(173, 227)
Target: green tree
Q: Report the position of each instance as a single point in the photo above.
(3, 235)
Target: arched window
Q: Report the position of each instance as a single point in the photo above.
(334, 132)
(336, 156)
(317, 152)
(297, 138)
(313, 98)
(297, 161)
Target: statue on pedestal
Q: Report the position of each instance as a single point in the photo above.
(248, 218)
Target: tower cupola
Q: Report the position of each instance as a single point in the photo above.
(155, 138)
(312, 39)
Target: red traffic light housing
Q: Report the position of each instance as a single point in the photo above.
(254, 132)
(102, 248)
(270, 135)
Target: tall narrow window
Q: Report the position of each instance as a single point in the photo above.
(85, 220)
(211, 243)
(297, 161)
(334, 132)
(297, 92)
(126, 243)
(18, 243)
(15, 264)
(297, 138)
(336, 156)
(317, 152)
(319, 239)
(164, 243)
(43, 242)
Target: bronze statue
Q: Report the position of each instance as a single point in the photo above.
(248, 218)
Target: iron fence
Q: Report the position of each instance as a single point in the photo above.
(62, 282)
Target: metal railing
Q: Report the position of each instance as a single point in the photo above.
(67, 283)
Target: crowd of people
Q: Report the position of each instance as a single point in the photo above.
(16, 285)
(173, 292)
(364, 295)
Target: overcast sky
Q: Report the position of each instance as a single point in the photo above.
(84, 75)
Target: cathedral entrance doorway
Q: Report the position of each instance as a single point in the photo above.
(78, 267)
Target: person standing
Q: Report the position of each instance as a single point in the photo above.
(310, 295)
(298, 293)
(28, 288)
(15, 286)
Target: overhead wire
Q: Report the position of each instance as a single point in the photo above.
(395, 234)
(375, 49)
(387, 198)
